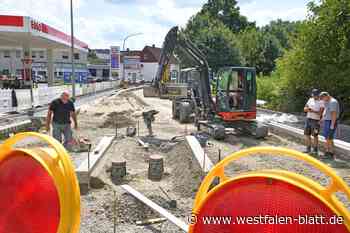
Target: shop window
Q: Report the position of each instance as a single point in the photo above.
(7, 54)
(65, 55)
(41, 54)
(18, 53)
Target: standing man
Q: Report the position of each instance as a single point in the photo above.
(63, 111)
(314, 109)
(330, 116)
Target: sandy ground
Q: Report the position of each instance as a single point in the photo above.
(182, 177)
(182, 173)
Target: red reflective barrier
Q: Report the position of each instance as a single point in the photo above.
(29, 201)
(260, 197)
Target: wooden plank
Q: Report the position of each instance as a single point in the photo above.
(178, 222)
(151, 221)
(202, 158)
(83, 171)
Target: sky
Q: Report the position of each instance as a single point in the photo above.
(102, 23)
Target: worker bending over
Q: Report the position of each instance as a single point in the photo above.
(148, 118)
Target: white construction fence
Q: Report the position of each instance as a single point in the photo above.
(44, 94)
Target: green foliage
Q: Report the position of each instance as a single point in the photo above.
(283, 31)
(259, 49)
(215, 40)
(268, 89)
(92, 54)
(93, 59)
(311, 54)
(228, 39)
(228, 13)
(320, 56)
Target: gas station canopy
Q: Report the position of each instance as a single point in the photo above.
(25, 31)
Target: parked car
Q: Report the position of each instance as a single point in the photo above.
(4, 77)
(39, 79)
(99, 79)
(140, 81)
(91, 79)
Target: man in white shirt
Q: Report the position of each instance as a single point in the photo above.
(314, 109)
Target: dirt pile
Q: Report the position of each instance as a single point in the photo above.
(185, 170)
(115, 111)
(118, 119)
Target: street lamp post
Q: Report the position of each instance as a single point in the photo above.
(125, 39)
(72, 48)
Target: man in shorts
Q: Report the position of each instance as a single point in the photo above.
(314, 109)
(331, 116)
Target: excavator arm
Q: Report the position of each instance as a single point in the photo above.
(174, 39)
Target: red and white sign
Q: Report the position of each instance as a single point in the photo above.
(11, 21)
(23, 24)
(37, 26)
(46, 29)
(27, 61)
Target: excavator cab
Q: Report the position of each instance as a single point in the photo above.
(236, 93)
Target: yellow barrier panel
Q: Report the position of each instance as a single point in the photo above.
(325, 194)
(55, 160)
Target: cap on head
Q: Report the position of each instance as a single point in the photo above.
(315, 92)
(324, 94)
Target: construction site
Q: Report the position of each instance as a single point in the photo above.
(123, 152)
(161, 157)
(107, 203)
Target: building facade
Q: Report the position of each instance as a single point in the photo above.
(134, 64)
(29, 48)
(99, 63)
(11, 63)
(150, 63)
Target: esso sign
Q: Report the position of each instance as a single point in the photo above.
(37, 26)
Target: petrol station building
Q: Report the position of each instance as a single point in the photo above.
(27, 44)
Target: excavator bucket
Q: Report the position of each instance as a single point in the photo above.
(166, 91)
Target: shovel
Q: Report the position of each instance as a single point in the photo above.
(172, 203)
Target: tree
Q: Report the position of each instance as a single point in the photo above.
(284, 31)
(215, 40)
(320, 57)
(259, 49)
(92, 54)
(228, 13)
(228, 38)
